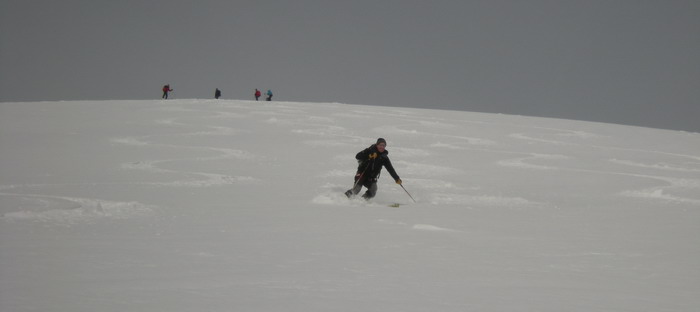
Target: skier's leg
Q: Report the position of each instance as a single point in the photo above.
(371, 190)
(355, 189)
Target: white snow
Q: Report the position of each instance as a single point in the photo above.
(204, 205)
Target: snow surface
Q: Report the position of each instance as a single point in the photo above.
(204, 205)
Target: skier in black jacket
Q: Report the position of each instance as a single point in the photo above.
(371, 160)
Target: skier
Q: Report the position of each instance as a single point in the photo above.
(166, 89)
(257, 94)
(370, 165)
(217, 93)
(269, 95)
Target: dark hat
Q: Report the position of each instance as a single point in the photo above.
(381, 140)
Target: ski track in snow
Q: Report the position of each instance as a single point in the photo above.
(63, 210)
(210, 179)
(418, 227)
(432, 228)
(660, 166)
(526, 162)
(482, 200)
(663, 192)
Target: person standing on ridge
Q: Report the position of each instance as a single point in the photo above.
(269, 95)
(217, 93)
(166, 90)
(371, 160)
(257, 94)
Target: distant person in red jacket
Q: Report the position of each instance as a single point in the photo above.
(257, 94)
(166, 89)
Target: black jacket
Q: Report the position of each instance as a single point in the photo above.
(373, 167)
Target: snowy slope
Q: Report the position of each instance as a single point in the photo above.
(203, 205)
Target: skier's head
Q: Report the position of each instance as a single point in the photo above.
(381, 145)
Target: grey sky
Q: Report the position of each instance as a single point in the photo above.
(630, 62)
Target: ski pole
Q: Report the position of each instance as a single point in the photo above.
(360, 178)
(409, 194)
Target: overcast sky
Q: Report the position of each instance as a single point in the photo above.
(631, 62)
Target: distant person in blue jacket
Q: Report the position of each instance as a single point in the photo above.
(269, 95)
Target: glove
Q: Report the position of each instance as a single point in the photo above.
(373, 156)
(398, 181)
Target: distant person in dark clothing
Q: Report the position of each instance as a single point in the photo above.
(257, 94)
(166, 90)
(217, 93)
(269, 95)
